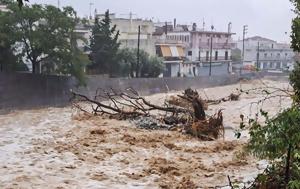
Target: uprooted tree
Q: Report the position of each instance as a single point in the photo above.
(186, 110)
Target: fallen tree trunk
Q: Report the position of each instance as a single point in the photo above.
(124, 105)
(129, 105)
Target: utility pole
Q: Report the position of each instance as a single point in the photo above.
(245, 29)
(91, 4)
(257, 60)
(166, 28)
(138, 54)
(211, 47)
(58, 4)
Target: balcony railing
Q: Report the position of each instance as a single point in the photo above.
(220, 59)
(217, 45)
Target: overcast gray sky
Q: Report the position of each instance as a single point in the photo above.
(267, 18)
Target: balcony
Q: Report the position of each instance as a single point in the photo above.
(217, 45)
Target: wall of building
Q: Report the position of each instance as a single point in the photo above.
(147, 43)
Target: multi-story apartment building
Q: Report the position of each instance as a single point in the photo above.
(267, 54)
(128, 28)
(200, 48)
(200, 44)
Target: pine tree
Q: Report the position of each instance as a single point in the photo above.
(104, 46)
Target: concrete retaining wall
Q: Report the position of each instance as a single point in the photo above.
(21, 91)
(146, 86)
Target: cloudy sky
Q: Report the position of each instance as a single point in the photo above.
(267, 18)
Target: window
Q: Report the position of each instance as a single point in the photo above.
(158, 51)
(272, 46)
(265, 65)
(216, 55)
(265, 55)
(190, 53)
(226, 55)
(207, 55)
(278, 55)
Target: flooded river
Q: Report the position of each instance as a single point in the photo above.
(58, 148)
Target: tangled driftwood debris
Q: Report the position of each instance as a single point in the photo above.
(185, 111)
(177, 100)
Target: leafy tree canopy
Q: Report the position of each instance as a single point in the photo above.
(45, 37)
(295, 44)
(150, 66)
(104, 46)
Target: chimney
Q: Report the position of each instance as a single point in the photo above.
(194, 26)
(229, 27)
(174, 23)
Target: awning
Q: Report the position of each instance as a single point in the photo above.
(180, 51)
(166, 51)
(174, 51)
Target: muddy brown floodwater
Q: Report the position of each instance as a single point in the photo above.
(59, 148)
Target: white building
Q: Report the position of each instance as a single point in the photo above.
(267, 54)
(128, 28)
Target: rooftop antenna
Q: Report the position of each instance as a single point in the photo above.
(203, 24)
